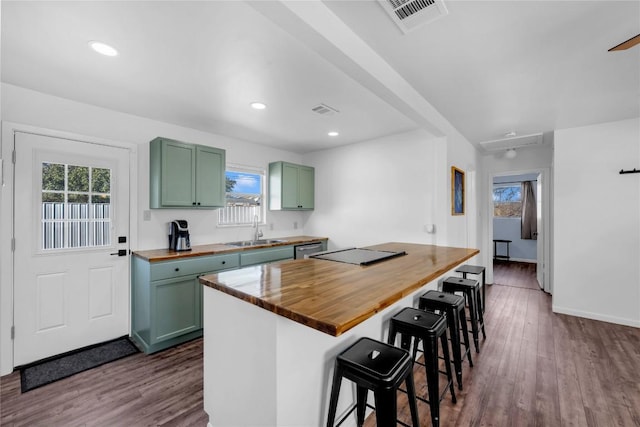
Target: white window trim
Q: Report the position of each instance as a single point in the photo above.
(236, 167)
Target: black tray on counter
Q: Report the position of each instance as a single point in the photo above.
(358, 256)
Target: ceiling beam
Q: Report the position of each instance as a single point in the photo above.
(315, 25)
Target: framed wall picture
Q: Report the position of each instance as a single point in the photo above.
(457, 191)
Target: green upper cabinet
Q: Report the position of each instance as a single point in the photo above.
(291, 186)
(210, 167)
(185, 175)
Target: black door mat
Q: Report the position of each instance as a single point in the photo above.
(55, 368)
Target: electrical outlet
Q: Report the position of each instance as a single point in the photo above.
(146, 216)
(295, 225)
(271, 226)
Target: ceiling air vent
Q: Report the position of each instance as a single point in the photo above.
(410, 14)
(324, 110)
(513, 142)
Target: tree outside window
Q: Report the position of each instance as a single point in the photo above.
(244, 198)
(507, 201)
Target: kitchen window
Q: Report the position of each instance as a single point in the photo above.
(245, 190)
(507, 200)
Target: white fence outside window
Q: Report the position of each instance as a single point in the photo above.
(234, 215)
(75, 225)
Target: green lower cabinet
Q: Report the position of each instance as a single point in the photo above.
(166, 305)
(166, 296)
(263, 256)
(176, 307)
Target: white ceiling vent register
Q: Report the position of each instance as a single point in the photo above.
(410, 14)
(513, 142)
(324, 110)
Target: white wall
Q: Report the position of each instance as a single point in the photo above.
(377, 191)
(388, 189)
(597, 222)
(464, 230)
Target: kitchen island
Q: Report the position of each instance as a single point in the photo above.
(272, 331)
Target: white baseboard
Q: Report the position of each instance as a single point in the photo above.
(596, 316)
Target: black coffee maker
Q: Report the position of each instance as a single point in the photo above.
(179, 235)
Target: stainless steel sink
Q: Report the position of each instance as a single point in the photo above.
(254, 242)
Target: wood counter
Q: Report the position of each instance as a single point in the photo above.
(156, 255)
(272, 332)
(333, 297)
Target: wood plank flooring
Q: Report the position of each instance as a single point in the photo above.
(535, 368)
(163, 389)
(518, 274)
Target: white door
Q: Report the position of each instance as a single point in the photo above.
(71, 217)
(540, 242)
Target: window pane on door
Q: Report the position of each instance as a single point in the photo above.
(101, 180)
(78, 179)
(52, 177)
(76, 206)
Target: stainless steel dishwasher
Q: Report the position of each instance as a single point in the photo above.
(306, 249)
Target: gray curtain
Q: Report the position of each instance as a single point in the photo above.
(529, 224)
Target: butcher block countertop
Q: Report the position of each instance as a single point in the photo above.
(333, 297)
(155, 255)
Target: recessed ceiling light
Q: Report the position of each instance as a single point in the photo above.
(333, 133)
(103, 48)
(258, 106)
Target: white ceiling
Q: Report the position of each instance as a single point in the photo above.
(486, 68)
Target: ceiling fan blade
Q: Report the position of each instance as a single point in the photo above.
(626, 45)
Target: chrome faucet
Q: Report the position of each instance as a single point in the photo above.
(258, 233)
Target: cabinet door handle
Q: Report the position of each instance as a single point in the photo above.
(177, 268)
(224, 262)
(198, 203)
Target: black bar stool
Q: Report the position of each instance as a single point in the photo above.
(477, 270)
(426, 327)
(453, 306)
(376, 366)
(471, 290)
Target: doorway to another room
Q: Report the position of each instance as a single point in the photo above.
(518, 226)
